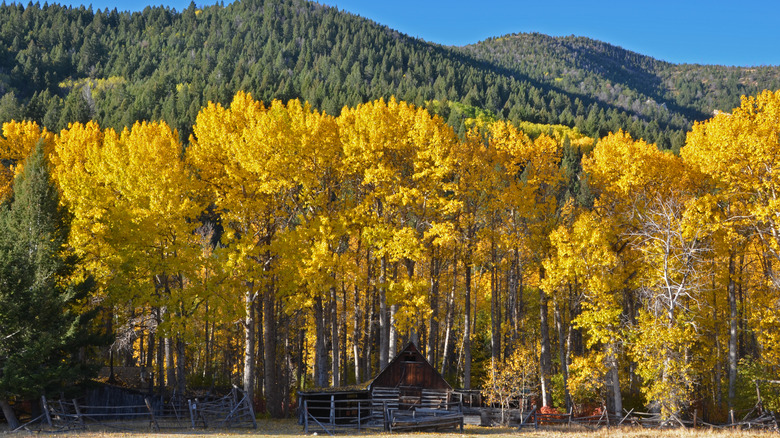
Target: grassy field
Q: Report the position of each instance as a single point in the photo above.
(277, 428)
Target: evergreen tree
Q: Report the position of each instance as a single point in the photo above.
(41, 332)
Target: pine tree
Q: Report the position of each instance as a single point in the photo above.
(41, 333)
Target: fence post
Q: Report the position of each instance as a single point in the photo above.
(45, 406)
(306, 416)
(151, 414)
(192, 406)
(78, 412)
(536, 420)
(250, 405)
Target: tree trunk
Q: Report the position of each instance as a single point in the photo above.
(150, 349)
(170, 367)
(392, 348)
(10, 415)
(495, 313)
(301, 357)
(545, 359)
(513, 305)
(718, 394)
(433, 319)
(160, 355)
(372, 334)
(271, 381)
(287, 369)
(446, 350)
(249, 342)
(384, 315)
(180, 363)
(320, 349)
(467, 328)
(259, 346)
(733, 333)
(334, 323)
(343, 341)
(207, 343)
(563, 353)
(369, 318)
(356, 334)
(617, 397)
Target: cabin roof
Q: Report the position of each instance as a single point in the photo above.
(409, 368)
(395, 374)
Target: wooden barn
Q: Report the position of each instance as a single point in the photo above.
(407, 394)
(410, 381)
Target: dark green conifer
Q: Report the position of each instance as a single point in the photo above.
(42, 333)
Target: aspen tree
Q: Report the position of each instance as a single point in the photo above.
(739, 153)
(397, 155)
(16, 143)
(651, 193)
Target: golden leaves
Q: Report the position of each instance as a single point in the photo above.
(16, 143)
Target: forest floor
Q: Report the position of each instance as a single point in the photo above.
(277, 428)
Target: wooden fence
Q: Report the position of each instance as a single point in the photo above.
(535, 418)
(156, 413)
(754, 419)
(330, 416)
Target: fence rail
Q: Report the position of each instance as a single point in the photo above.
(333, 415)
(330, 415)
(232, 410)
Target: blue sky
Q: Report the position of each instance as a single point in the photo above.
(745, 32)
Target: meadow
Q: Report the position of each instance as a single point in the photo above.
(277, 428)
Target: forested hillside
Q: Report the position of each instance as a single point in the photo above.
(59, 65)
(669, 93)
(222, 232)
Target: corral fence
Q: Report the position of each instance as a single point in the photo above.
(536, 418)
(334, 415)
(155, 413)
(757, 418)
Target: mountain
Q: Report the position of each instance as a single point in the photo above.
(628, 80)
(60, 64)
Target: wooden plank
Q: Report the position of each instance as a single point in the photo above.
(78, 412)
(45, 406)
(151, 413)
(426, 419)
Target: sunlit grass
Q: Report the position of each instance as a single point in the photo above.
(276, 428)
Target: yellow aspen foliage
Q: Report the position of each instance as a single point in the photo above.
(156, 213)
(399, 158)
(649, 196)
(258, 165)
(660, 352)
(134, 212)
(17, 141)
(77, 162)
(740, 154)
(620, 168)
(584, 255)
(515, 378)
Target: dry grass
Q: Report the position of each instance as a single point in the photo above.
(277, 428)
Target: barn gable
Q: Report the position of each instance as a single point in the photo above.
(407, 384)
(410, 371)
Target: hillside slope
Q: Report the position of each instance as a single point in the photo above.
(626, 79)
(59, 65)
